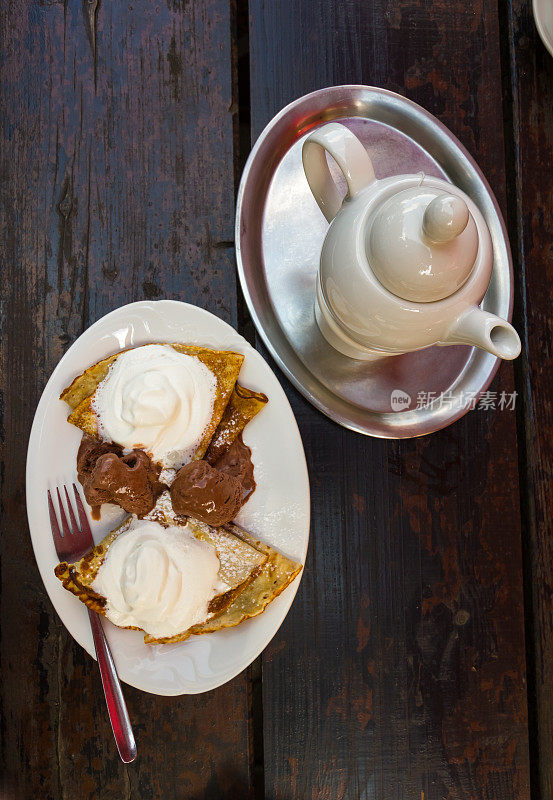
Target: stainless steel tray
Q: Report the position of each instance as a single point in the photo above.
(279, 233)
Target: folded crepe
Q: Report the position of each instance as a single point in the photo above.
(242, 407)
(271, 579)
(239, 563)
(224, 364)
(254, 572)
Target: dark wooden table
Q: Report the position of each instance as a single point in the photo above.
(416, 661)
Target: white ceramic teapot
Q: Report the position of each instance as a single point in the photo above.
(405, 262)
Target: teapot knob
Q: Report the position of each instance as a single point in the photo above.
(445, 217)
(422, 244)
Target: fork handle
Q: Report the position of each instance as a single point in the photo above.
(118, 714)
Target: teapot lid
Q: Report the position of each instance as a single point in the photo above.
(422, 244)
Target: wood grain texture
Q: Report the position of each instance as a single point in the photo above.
(531, 203)
(117, 185)
(401, 668)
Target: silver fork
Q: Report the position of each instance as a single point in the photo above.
(72, 542)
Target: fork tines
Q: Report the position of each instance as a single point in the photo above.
(74, 538)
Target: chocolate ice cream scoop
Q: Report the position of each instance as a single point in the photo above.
(107, 476)
(206, 493)
(90, 451)
(237, 462)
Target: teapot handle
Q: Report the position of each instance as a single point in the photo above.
(350, 155)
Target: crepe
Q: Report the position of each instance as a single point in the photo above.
(224, 364)
(273, 577)
(239, 562)
(275, 574)
(242, 407)
(255, 572)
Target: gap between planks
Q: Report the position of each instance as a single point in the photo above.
(240, 15)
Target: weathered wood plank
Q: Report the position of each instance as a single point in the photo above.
(400, 671)
(532, 154)
(117, 184)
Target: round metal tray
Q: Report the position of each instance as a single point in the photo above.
(279, 233)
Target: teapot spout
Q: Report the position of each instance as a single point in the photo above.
(482, 329)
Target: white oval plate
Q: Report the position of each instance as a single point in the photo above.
(278, 512)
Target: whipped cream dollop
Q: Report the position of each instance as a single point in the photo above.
(156, 399)
(158, 579)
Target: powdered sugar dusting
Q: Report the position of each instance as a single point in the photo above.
(163, 512)
(277, 527)
(167, 476)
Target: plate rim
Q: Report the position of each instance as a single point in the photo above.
(33, 444)
(545, 34)
(316, 399)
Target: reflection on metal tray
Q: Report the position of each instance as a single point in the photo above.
(279, 233)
